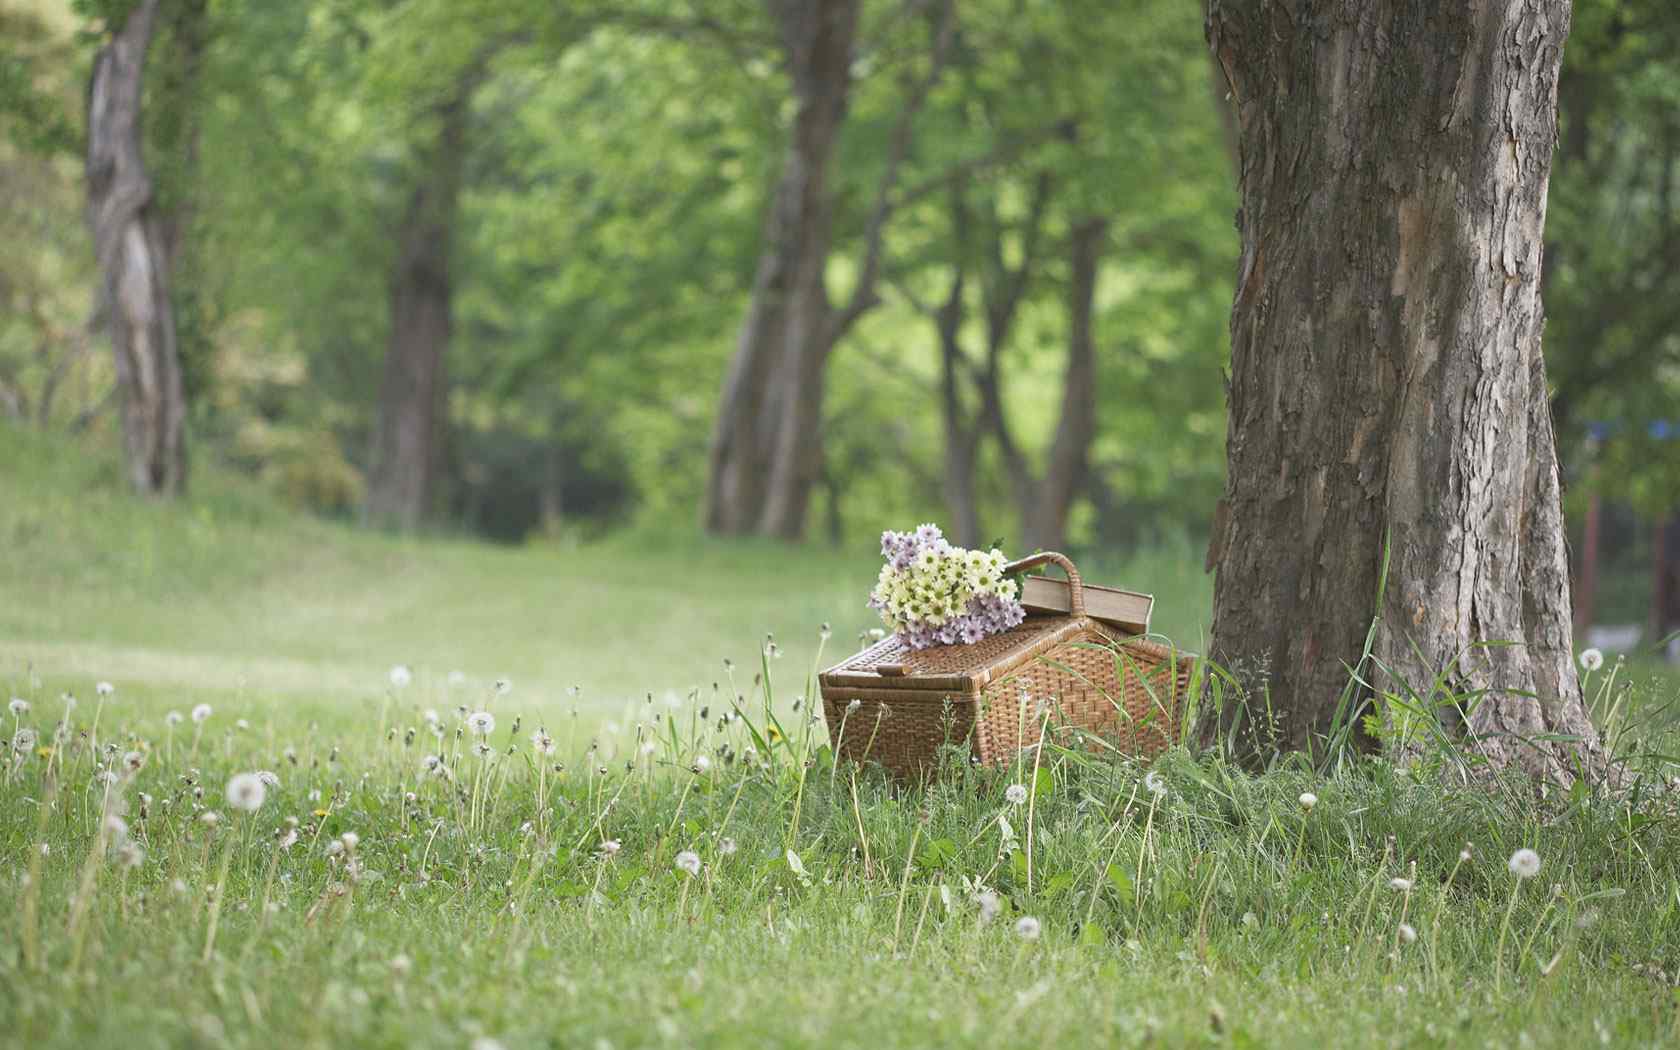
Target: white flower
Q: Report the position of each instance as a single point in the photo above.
(481, 722)
(268, 778)
(104, 688)
(1027, 928)
(23, 740)
(1407, 933)
(542, 743)
(210, 818)
(401, 676)
(430, 763)
(1524, 864)
(609, 847)
(1591, 659)
(503, 687)
(18, 706)
(173, 718)
(688, 861)
(201, 713)
(852, 708)
(134, 760)
(245, 791)
(702, 763)
(1157, 787)
(1464, 854)
(989, 905)
(1400, 885)
(1015, 794)
(1308, 800)
(431, 716)
(350, 839)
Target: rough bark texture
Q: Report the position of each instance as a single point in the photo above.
(133, 263)
(778, 348)
(1387, 385)
(408, 440)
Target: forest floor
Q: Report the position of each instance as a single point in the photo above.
(635, 888)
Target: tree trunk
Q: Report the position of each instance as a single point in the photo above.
(408, 441)
(133, 264)
(962, 433)
(776, 373)
(1388, 397)
(1077, 427)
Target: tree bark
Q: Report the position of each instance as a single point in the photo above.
(133, 262)
(777, 356)
(409, 435)
(1065, 476)
(1388, 397)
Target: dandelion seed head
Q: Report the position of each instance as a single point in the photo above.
(18, 706)
(401, 676)
(1308, 801)
(688, 861)
(989, 904)
(1028, 928)
(245, 792)
(1524, 863)
(1015, 794)
(1400, 885)
(24, 740)
(210, 818)
(134, 760)
(201, 713)
(1407, 933)
(542, 743)
(702, 763)
(104, 688)
(1156, 785)
(173, 718)
(1592, 659)
(481, 722)
(504, 686)
(609, 847)
(350, 839)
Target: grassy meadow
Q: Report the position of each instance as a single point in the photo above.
(619, 855)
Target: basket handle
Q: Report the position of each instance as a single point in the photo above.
(1076, 587)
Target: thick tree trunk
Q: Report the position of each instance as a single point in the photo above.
(1065, 477)
(1388, 397)
(408, 440)
(132, 261)
(776, 373)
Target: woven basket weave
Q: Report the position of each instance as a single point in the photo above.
(1072, 678)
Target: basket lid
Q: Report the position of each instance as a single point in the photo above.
(891, 664)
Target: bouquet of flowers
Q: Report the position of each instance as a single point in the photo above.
(931, 593)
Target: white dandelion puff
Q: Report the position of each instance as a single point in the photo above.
(1407, 933)
(269, 778)
(504, 686)
(245, 791)
(1015, 794)
(688, 861)
(18, 706)
(481, 722)
(350, 839)
(1308, 801)
(134, 760)
(609, 847)
(173, 718)
(1592, 659)
(1156, 785)
(702, 764)
(989, 904)
(401, 676)
(23, 740)
(1028, 928)
(542, 743)
(201, 713)
(1400, 885)
(1524, 864)
(104, 688)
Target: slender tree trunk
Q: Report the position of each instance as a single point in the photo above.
(962, 432)
(133, 263)
(1388, 396)
(776, 371)
(1065, 477)
(408, 441)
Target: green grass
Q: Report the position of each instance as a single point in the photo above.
(1220, 912)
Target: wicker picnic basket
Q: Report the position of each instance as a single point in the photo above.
(1078, 680)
